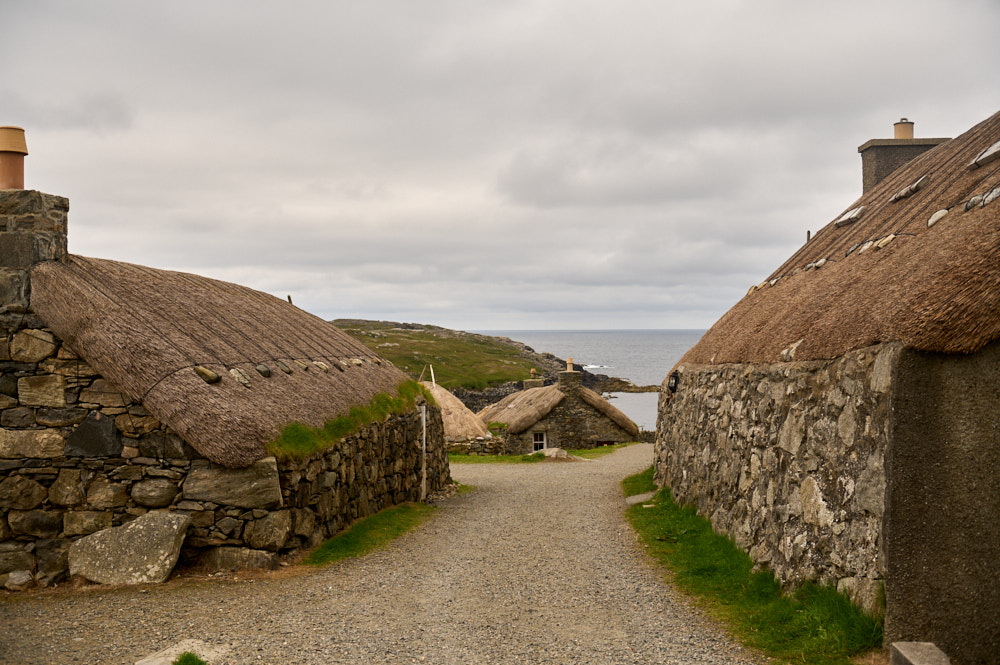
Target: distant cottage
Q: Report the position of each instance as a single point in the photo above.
(563, 415)
(126, 390)
(464, 432)
(840, 422)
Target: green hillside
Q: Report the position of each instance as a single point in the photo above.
(460, 359)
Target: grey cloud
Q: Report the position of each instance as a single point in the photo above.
(530, 164)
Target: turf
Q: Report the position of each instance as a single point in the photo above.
(813, 624)
(370, 533)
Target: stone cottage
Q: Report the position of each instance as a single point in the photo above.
(126, 389)
(562, 415)
(840, 421)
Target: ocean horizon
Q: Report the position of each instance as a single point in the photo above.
(642, 356)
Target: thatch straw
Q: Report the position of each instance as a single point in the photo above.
(146, 329)
(523, 409)
(933, 289)
(459, 422)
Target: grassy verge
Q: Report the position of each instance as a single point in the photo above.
(814, 624)
(297, 440)
(370, 533)
(588, 453)
(640, 483)
(459, 458)
(600, 451)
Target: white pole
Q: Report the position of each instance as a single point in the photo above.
(423, 450)
(433, 382)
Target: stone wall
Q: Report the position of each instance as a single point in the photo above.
(479, 445)
(788, 459)
(32, 229)
(238, 515)
(76, 457)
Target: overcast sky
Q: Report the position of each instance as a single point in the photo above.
(479, 165)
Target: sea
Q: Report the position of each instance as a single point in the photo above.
(641, 356)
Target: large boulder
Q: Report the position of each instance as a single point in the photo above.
(144, 550)
(255, 486)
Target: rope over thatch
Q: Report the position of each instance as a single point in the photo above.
(933, 288)
(459, 422)
(146, 330)
(523, 409)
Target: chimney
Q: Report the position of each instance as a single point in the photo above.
(880, 157)
(32, 228)
(569, 382)
(12, 152)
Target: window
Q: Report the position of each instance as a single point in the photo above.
(539, 441)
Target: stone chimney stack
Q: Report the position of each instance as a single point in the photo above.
(569, 382)
(32, 229)
(880, 157)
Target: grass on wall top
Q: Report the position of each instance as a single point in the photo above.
(298, 440)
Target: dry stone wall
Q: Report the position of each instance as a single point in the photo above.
(77, 457)
(788, 459)
(480, 445)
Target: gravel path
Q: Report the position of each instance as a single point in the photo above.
(537, 565)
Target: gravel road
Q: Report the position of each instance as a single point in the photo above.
(537, 565)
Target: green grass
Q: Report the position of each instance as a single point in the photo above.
(640, 483)
(460, 359)
(297, 440)
(814, 624)
(370, 533)
(188, 658)
(588, 453)
(600, 451)
(459, 458)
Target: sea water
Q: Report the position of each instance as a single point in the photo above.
(641, 356)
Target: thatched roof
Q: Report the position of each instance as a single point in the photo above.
(146, 330)
(459, 422)
(932, 288)
(523, 409)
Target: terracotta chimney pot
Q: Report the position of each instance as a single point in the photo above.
(902, 129)
(569, 364)
(12, 151)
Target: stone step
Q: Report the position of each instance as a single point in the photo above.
(917, 653)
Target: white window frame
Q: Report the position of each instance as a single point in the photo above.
(535, 441)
